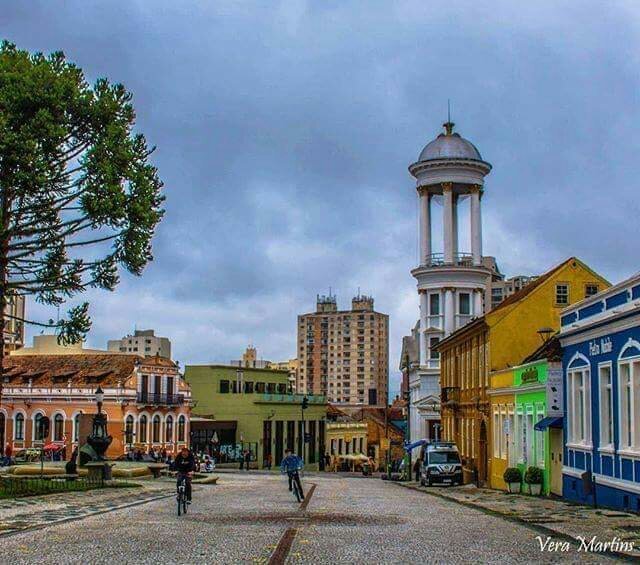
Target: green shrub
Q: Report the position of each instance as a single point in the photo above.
(512, 475)
(533, 476)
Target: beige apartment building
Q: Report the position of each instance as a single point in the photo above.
(344, 354)
(13, 334)
(143, 342)
(250, 360)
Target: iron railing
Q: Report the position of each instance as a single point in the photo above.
(160, 399)
(438, 260)
(20, 485)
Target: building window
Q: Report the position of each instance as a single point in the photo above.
(181, 428)
(590, 289)
(58, 427)
(18, 433)
(540, 441)
(128, 429)
(39, 431)
(155, 429)
(432, 344)
(143, 429)
(76, 426)
(606, 406)
(434, 304)
(629, 374)
(562, 294)
(224, 387)
(579, 407)
(168, 429)
(497, 432)
(464, 303)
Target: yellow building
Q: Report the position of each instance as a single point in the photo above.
(499, 340)
(502, 403)
(345, 440)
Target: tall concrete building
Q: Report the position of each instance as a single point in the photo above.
(13, 334)
(344, 354)
(144, 342)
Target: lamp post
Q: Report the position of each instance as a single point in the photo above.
(99, 440)
(303, 406)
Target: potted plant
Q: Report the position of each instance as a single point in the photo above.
(533, 477)
(513, 477)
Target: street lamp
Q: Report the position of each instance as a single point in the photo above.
(99, 440)
(304, 406)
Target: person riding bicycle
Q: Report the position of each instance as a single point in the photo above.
(291, 464)
(185, 465)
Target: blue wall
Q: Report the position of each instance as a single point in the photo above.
(613, 465)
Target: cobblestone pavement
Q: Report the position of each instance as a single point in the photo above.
(557, 516)
(252, 518)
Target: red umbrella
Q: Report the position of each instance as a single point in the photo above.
(52, 447)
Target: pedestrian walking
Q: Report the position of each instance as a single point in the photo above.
(268, 461)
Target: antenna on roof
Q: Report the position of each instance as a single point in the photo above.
(448, 126)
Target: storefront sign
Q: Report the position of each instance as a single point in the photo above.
(530, 375)
(554, 392)
(600, 347)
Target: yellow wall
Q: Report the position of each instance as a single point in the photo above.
(513, 329)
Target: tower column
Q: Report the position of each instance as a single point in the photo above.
(423, 327)
(447, 221)
(449, 311)
(425, 227)
(476, 227)
(477, 302)
(454, 225)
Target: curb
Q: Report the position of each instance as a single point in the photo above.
(531, 525)
(89, 514)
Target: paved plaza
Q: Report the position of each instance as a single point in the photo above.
(252, 518)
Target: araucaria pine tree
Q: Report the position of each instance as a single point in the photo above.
(78, 196)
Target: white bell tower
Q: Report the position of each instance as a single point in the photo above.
(451, 282)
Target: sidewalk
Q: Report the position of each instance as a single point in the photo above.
(556, 518)
(35, 512)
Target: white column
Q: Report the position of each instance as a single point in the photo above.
(454, 224)
(425, 227)
(447, 221)
(476, 227)
(449, 311)
(477, 303)
(423, 328)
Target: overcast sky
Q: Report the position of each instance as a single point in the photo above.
(284, 131)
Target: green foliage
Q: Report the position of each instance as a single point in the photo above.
(533, 476)
(78, 196)
(512, 475)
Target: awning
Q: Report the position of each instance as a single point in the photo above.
(548, 422)
(419, 443)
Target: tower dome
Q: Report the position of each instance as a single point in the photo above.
(449, 145)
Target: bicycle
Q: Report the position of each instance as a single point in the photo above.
(294, 476)
(182, 495)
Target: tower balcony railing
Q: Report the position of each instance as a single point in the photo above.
(438, 260)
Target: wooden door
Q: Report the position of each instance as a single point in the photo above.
(555, 449)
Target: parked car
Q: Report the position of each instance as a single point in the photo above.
(440, 463)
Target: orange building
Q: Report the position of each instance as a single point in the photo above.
(147, 403)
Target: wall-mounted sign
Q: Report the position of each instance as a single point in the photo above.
(530, 375)
(554, 392)
(600, 347)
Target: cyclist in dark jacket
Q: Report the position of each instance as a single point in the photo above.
(185, 465)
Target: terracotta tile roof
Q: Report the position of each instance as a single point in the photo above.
(157, 361)
(82, 370)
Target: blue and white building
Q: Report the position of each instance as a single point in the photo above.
(601, 370)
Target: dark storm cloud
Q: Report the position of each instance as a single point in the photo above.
(284, 131)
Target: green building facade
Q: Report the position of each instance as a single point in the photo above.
(240, 408)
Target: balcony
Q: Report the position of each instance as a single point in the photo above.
(459, 260)
(289, 398)
(152, 398)
(435, 321)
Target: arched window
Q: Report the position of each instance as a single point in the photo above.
(143, 429)
(168, 429)
(58, 427)
(76, 426)
(128, 429)
(18, 428)
(155, 429)
(181, 426)
(38, 428)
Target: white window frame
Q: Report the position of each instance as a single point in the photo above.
(511, 442)
(579, 406)
(605, 392)
(540, 437)
(629, 432)
(497, 444)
